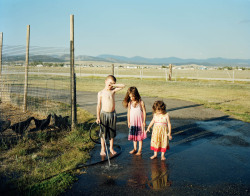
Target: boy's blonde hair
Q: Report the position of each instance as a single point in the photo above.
(111, 77)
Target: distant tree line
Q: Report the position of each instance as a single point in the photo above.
(233, 68)
(35, 63)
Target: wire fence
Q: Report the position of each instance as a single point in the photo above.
(46, 94)
(159, 71)
(49, 76)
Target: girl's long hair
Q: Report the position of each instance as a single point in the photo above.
(131, 90)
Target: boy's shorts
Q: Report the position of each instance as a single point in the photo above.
(108, 124)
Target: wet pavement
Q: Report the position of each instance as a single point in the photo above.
(209, 155)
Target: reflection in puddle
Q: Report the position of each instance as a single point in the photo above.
(156, 179)
(138, 175)
(159, 175)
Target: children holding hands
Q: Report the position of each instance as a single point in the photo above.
(162, 130)
(136, 117)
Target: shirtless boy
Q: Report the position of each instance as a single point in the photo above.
(106, 114)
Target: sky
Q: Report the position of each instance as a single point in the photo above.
(186, 29)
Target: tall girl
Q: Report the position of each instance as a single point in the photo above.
(161, 131)
(136, 118)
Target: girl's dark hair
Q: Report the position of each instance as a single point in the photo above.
(131, 90)
(159, 105)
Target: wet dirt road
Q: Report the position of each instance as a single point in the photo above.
(209, 155)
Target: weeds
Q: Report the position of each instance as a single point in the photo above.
(44, 155)
(53, 186)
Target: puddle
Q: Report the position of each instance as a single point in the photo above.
(112, 167)
(199, 156)
(230, 133)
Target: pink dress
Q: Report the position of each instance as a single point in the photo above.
(136, 130)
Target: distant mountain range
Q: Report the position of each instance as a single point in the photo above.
(177, 61)
(134, 60)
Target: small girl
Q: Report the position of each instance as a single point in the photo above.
(161, 131)
(136, 118)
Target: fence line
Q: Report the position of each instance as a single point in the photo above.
(43, 87)
(42, 90)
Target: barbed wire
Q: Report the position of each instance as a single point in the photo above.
(19, 50)
(44, 90)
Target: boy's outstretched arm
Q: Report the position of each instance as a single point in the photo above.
(118, 87)
(98, 108)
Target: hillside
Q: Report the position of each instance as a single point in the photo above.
(133, 60)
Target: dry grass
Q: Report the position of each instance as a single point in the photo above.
(149, 71)
(26, 164)
(232, 98)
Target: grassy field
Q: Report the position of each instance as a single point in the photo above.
(231, 98)
(157, 71)
(30, 161)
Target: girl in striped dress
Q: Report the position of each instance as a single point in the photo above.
(161, 131)
(136, 118)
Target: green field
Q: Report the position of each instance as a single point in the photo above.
(156, 71)
(231, 98)
(227, 96)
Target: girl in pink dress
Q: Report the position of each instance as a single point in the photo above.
(136, 118)
(161, 131)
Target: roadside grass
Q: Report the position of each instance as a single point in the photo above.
(141, 70)
(45, 163)
(231, 98)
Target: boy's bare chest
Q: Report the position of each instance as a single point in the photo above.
(107, 95)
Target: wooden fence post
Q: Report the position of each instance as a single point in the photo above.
(26, 69)
(1, 46)
(72, 75)
(170, 72)
(113, 69)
